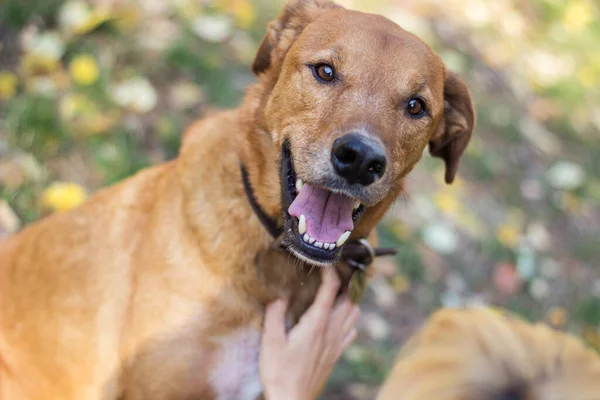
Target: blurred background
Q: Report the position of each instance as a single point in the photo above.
(90, 92)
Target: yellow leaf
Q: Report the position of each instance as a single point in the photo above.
(399, 230)
(84, 70)
(570, 203)
(188, 8)
(79, 18)
(61, 80)
(242, 10)
(508, 235)
(98, 124)
(515, 216)
(222, 6)
(63, 196)
(447, 202)
(588, 76)
(96, 18)
(591, 336)
(37, 65)
(70, 105)
(400, 283)
(84, 115)
(469, 221)
(244, 13)
(557, 317)
(578, 15)
(593, 190)
(8, 84)
(75, 105)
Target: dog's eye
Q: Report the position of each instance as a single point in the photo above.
(324, 72)
(415, 107)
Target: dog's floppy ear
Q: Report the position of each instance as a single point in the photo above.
(456, 127)
(283, 31)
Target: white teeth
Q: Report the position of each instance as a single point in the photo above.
(340, 242)
(299, 184)
(302, 225)
(308, 239)
(356, 205)
(327, 246)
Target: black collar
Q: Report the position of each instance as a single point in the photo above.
(268, 222)
(358, 253)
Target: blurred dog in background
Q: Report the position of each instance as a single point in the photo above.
(480, 354)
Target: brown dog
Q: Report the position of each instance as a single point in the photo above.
(482, 355)
(155, 288)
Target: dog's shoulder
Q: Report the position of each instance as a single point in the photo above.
(209, 151)
(220, 125)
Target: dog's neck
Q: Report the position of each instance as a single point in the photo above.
(258, 154)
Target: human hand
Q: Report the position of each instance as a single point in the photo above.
(296, 366)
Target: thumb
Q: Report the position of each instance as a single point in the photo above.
(274, 325)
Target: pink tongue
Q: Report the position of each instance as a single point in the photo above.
(328, 215)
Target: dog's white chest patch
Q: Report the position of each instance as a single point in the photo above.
(236, 376)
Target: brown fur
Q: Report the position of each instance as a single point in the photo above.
(127, 296)
(483, 355)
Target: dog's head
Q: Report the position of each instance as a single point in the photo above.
(479, 354)
(352, 101)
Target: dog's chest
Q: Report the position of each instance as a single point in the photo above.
(236, 376)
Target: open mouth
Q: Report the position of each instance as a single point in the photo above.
(318, 221)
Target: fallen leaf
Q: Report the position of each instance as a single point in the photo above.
(578, 15)
(557, 317)
(8, 84)
(447, 202)
(79, 18)
(244, 13)
(63, 196)
(570, 202)
(400, 283)
(508, 235)
(84, 70)
(591, 336)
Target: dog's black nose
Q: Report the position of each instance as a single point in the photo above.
(358, 159)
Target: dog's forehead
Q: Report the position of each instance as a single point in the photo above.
(369, 40)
